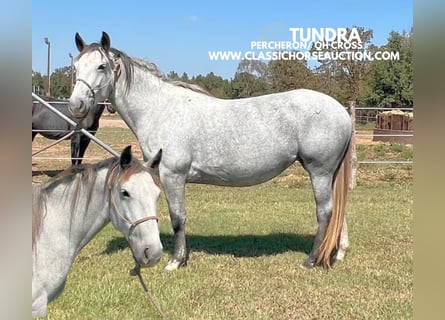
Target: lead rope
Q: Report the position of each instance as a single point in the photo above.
(136, 271)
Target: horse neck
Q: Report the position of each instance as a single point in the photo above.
(149, 98)
(142, 96)
(91, 122)
(86, 219)
(97, 213)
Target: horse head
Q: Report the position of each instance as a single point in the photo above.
(133, 210)
(96, 73)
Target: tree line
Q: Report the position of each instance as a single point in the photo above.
(377, 83)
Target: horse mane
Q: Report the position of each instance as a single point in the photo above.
(130, 62)
(154, 70)
(191, 86)
(78, 178)
(38, 212)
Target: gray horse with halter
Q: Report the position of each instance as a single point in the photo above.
(70, 209)
(239, 142)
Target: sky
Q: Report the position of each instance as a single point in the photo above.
(177, 35)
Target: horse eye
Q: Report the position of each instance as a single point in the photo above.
(125, 193)
(102, 67)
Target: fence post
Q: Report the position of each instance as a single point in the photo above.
(353, 160)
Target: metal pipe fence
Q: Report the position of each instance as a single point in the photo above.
(113, 152)
(73, 123)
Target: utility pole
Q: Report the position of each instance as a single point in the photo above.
(72, 73)
(48, 72)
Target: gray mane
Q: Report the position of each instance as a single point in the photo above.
(191, 86)
(77, 177)
(154, 70)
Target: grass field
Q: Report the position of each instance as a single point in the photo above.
(246, 245)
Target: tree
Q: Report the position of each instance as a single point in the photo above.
(286, 75)
(61, 82)
(391, 84)
(214, 84)
(185, 77)
(256, 68)
(246, 85)
(250, 80)
(345, 79)
(38, 83)
(172, 75)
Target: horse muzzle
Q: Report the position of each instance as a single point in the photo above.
(78, 109)
(149, 257)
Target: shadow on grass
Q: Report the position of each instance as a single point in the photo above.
(236, 245)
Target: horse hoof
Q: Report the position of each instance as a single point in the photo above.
(174, 265)
(340, 256)
(307, 265)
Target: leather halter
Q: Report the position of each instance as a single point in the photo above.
(134, 223)
(113, 79)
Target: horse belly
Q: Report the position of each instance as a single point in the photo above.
(240, 172)
(55, 135)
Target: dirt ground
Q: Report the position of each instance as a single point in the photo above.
(112, 123)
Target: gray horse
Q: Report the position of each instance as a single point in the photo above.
(70, 209)
(239, 142)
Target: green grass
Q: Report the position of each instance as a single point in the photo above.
(365, 126)
(246, 245)
(385, 151)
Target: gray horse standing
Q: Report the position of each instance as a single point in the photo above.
(239, 142)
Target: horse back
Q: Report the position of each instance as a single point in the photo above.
(44, 119)
(247, 141)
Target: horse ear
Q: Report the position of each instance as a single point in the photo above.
(154, 162)
(80, 44)
(125, 157)
(105, 41)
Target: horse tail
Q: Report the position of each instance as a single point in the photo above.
(340, 191)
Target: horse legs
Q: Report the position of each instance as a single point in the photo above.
(174, 187)
(83, 144)
(344, 242)
(322, 186)
(75, 148)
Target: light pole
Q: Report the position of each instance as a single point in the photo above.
(72, 73)
(48, 82)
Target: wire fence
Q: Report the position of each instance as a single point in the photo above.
(364, 115)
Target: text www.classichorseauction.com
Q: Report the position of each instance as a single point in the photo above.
(309, 44)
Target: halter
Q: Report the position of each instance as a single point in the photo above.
(134, 223)
(113, 79)
(91, 89)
